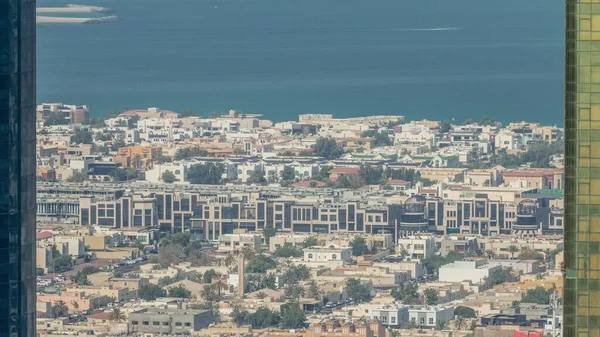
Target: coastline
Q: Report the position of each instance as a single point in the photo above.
(73, 9)
(53, 19)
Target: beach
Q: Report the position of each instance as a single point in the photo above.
(72, 9)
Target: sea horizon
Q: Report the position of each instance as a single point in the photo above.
(432, 59)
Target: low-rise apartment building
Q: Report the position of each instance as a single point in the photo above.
(429, 316)
(474, 271)
(168, 321)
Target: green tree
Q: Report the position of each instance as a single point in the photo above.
(136, 161)
(431, 296)
(151, 292)
(433, 262)
(489, 253)
(327, 148)
(309, 242)
(238, 315)
(359, 246)
(81, 276)
(268, 233)
(116, 315)
(190, 152)
(263, 318)
(406, 292)
(288, 250)
(77, 177)
(62, 262)
(356, 290)
(324, 172)
(168, 177)
(529, 254)
(55, 118)
(97, 123)
(537, 295)
(460, 323)
(257, 177)
(208, 276)
(180, 292)
(445, 126)
(293, 316)
(294, 291)
(371, 175)
(499, 276)
(487, 120)
(208, 174)
(512, 249)
(239, 151)
(288, 173)
(313, 290)
(82, 136)
(60, 308)
(441, 325)
(295, 274)
(381, 139)
(465, 312)
(260, 264)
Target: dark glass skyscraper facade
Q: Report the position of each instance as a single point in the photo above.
(17, 168)
(582, 170)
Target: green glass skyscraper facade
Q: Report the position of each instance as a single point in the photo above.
(582, 170)
(17, 168)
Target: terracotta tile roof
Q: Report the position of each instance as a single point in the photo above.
(398, 182)
(344, 170)
(43, 235)
(100, 315)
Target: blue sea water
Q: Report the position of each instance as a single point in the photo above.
(435, 59)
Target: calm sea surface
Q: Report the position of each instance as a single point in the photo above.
(435, 59)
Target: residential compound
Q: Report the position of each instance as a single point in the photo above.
(328, 216)
(214, 210)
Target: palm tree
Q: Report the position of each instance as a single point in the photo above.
(460, 323)
(60, 308)
(489, 253)
(441, 325)
(208, 292)
(116, 315)
(261, 295)
(393, 333)
(512, 249)
(219, 283)
(313, 290)
(75, 305)
(137, 159)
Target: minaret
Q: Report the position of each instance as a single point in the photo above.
(241, 275)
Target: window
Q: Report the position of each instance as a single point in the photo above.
(145, 323)
(333, 256)
(134, 322)
(155, 323)
(383, 319)
(430, 320)
(188, 324)
(165, 323)
(310, 256)
(278, 207)
(177, 323)
(422, 320)
(393, 319)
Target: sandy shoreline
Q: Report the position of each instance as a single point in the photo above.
(54, 19)
(72, 9)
